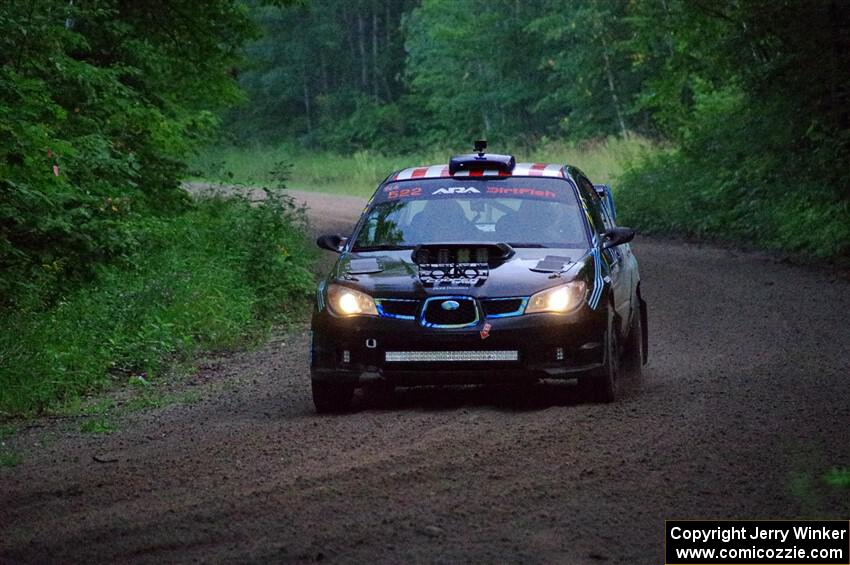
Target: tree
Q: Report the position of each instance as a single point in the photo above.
(473, 67)
(592, 69)
(100, 103)
(327, 72)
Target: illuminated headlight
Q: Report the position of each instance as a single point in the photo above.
(344, 301)
(564, 298)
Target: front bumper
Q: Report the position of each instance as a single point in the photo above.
(527, 347)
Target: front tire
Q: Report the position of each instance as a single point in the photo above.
(633, 359)
(331, 398)
(602, 387)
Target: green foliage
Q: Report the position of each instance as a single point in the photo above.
(838, 477)
(763, 148)
(326, 72)
(406, 76)
(100, 425)
(592, 72)
(100, 103)
(474, 69)
(9, 458)
(197, 281)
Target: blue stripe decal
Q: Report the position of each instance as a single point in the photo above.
(598, 282)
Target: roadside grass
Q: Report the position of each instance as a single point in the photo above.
(358, 174)
(838, 477)
(104, 415)
(215, 277)
(9, 458)
(96, 414)
(100, 425)
(151, 399)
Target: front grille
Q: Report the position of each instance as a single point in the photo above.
(503, 307)
(396, 308)
(449, 312)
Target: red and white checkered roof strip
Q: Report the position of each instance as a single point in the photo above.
(521, 170)
(538, 170)
(434, 171)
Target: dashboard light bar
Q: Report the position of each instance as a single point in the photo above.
(443, 356)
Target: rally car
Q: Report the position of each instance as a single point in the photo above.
(482, 270)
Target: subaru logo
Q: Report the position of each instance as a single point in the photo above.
(450, 305)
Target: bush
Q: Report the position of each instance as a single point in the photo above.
(715, 197)
(201, 280)
(100, 103)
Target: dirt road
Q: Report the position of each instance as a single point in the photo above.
(743, 409)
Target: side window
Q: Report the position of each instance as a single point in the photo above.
(604, 220)
(594, 205)
(609, 222)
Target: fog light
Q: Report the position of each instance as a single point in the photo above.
(559, 354)
(346, 356)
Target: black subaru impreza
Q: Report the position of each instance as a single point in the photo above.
(480, 271)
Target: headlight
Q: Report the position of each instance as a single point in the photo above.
(564, 298)
(344, 301)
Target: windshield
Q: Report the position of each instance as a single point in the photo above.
(519, 211)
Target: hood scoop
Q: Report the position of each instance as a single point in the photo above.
(453, 275)
(364, 266)
(455, 252)
(458, 265)
(551, 264)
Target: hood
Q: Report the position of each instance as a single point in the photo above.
(384, 274)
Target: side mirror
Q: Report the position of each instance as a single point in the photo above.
(331, 242)
(617, 236)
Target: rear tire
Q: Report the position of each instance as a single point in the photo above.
(330, 398)
(602, 387)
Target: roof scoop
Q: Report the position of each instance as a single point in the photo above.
(481, 161)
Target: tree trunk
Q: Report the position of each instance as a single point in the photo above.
(307, 106)
(612, 89)
(387, 27)
(375, 55)
(361, 43)
(349, 36)
(323, 68)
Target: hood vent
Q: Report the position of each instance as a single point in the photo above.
(552, 264)
(364, 266)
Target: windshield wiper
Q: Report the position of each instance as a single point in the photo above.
(538, 245)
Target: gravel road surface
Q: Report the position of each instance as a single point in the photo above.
(743, 409)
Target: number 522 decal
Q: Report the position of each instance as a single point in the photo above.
(404, 193)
